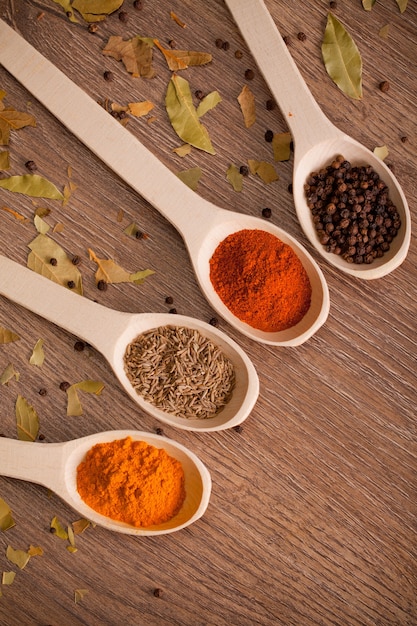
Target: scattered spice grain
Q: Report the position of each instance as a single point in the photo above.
(238, 54)
(102, 285)
(301, 36)
(269, 136)
(71, 284)
(138, 5)
(76, 260)
(404, 139)
(180, 371)
(249, 74)
(92, 28)
(384, 86)
(42, 391)
(53, 261)
(173, 311)
(31, 166)
(64, 385)
(219, 43)
(261, 280)
(266, 212)
(225, 45)
(169, 300)
(79, 346)
(132, 482)
(244, 170)
(213, 321)
(123, 17)
(271, 104)
(157, 592)
(107, 75)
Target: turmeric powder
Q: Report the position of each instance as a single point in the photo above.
(132, 482)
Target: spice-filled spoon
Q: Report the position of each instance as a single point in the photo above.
(202, 224)
(316, 140)
(54, 465)
(111, 332)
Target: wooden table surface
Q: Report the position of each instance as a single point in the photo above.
(312, 518)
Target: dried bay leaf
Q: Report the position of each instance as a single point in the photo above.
(246, 101)
(43, 249)
(183, 115)
(234, 177)
(341, 58)
(264, 170)
(38, 354)
(181, 59)
(58, 529)
(402, 5)
(16, 119)
(35, 551)
(40, 224)
(209, 101)
(7, 336)
(8, 374)
(111, 272)
(31, 185)
(381, 152)
(368, 4)
(190, 177)
(135, 53)
(183, 150)
(4, 160)
(139, 109)
(17, 557)
(384, 32)
(80, 525)
(8, 578)
(96, 10)
(27, 420)
(74, 408)
(6, 517)
(281, 145)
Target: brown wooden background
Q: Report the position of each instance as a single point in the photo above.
(312, 518)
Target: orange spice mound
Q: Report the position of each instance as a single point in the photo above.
(132, 482)
(261, 280)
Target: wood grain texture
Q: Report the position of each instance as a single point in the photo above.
(312, 519)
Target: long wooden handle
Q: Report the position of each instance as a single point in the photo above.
(308, 124)
(26, 460)
(103, 134)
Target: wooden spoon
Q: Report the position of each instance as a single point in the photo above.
(202, 224)
(54, 465)
(316, 140)
(111, 332)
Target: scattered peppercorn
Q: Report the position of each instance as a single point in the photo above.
(123, 16)
(138, 5)
(244, 170)
(199, 94)
(79, 346)
(301, 36)
(249, 74)
(70, 284)
(225, 45)
(219, 43)
(159, 431)
(157, 593)
(214, 321)
(352, 212)
(404, 139)
(384, 86)
(238, 428)
(41, 437)
(169, 299)
(266, 212)
(92, 28)
(76, 260)
(139, 235)
(31, 166)
(173, 311)
(102, 285)
(64, 385)
(172, 43)
(270, 104)
(43, 391)
(333, 4)
(238, 54)
(107, 75)
(269, 136)
(287, 40)
(53, 261)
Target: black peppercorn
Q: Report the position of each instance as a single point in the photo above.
(107, 75)
(53, 261)
(238, 54)
(270, 104)
(102, 285)
(238, 428)
(31, 166)
(244, 170)
(173, 311)
(225, 45)
(219, 43)
(301, 36)
(159, 431)
(92, 28)
(43, 391)
(64, 385)
(172, 43)
(266, 212)
(157, 592)
(214, 321)
(199, 94)
(79, 346)
(169, 299)
(269, 136)
(70, 284)
(76, 260)
(123, 16)
(287, 40)
(384, 86)
(138, 5)
(249, 74)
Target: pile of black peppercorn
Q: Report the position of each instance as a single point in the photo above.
(352, 212)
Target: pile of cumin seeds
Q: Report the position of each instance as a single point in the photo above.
(180, 371)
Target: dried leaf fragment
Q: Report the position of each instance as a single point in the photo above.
(135, 53)
(64, 272)
(264, 170)
(38, 354)
(16, 215)
(341, 58)
(111, 272)
(74, 408)
(4, 160)
(381, 152)
(8, 578)
(6, 517)
(183, 150)
(183, 115)
(139, 109)
(58, 529)
(209, 101)
(190, 177)
(31, 185)
(234, 177)
(177, 20)
(181, 59)
(35, 551)
(402, 5)
(7, 336)
(281, 145)
(246, 100)
(17, 557)
(8, 374)
(79, 526)
(96, 10)
(79, 595)
(368, 4)
(27, 420)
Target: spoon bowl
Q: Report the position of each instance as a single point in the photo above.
(111, 331)
(55, 465)
(201, 224)
(316, 140)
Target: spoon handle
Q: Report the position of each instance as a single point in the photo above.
(307, 122)
(104, 135)
(85, 319)
(35, 462)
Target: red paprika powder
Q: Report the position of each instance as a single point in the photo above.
(261, 280)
